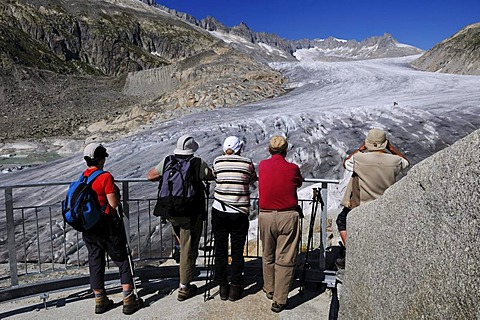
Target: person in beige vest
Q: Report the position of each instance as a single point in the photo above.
(375, 166)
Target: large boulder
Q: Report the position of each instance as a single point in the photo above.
(414, 253)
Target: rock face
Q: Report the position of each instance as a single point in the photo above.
(63, 67)
(459, 54)
(106, 37)
(62, 64)
(217, 78)
(415, 252)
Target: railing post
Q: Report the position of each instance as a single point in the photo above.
(324, 194)
(126, 209)
(12, 252)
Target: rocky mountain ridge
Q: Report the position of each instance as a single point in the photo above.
(63, 65)
(374, 47)
(95, 37)
(459, 54)
(332, 49)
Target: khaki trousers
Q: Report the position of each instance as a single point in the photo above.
(280, 234)
(190, 233)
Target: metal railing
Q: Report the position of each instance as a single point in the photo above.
(37, 240)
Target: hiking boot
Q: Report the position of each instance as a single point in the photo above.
(340, 263)
(103, 304)
(186, 293)
(269, 295)
(224, 292)
(236, 291)
(276, 307)
(131, 304)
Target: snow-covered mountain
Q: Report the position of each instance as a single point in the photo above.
(271, 47)
(332, 49)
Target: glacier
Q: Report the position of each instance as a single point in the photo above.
(325, 115)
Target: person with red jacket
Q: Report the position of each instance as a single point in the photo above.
(278, 221)
(107, 236)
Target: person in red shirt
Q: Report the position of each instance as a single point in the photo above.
(278, 221)
(107, 236)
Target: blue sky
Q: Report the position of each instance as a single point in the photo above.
(420, 23)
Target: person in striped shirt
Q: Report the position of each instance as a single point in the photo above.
(230, 210)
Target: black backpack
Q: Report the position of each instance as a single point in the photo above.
(177, 190)
(81, 208)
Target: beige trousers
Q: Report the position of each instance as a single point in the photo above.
(280, 234)
(190, 233)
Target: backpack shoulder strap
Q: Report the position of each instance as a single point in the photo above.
(167, 161)
(94, 175)
(81, 177)
(195, 164)
(195, 167)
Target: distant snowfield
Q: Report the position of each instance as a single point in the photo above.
(342, 53)
(328, 113)
(231, 38)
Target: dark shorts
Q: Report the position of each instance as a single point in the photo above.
(107, 237)
(342, 219)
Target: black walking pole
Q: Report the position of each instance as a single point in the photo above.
(208, 280)
(315, 200)
(127, 246)
(209, 265)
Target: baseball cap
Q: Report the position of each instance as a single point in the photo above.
(95, 150)
(233, 143)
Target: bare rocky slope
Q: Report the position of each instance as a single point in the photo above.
(459, 54)
(63, 65)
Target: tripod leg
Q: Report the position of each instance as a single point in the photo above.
(309, 238)
(334, 305)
